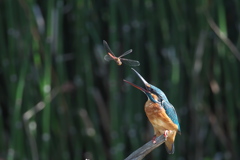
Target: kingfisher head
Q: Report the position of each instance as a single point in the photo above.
(153, 93)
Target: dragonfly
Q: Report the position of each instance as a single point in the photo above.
(119, 60)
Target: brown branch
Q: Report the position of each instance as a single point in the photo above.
(141, 152)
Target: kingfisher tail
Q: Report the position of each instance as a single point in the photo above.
(169, 147)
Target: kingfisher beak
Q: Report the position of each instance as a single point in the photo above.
(138, 87)
(147, 85)
(134, 85)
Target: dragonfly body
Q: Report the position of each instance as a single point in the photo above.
(119, 60)
(116, 59)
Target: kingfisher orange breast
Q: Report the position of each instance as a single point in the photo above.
(159, 119)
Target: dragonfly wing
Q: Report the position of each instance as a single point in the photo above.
(108, 58)
(107, 47)
(126, 53)
(130, 62)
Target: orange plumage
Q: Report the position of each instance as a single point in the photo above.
(161, 122)
(160, 112)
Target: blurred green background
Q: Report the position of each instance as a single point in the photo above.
(59, 99)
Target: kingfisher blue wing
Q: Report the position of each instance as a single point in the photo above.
(172, 114)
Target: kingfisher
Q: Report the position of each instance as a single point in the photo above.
(160, 113)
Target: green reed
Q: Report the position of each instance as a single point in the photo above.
(61, 100)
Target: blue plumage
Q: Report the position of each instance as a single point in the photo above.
(159, 92)
(170, 110)
(155, 107)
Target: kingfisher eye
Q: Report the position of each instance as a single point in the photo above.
(150, 89)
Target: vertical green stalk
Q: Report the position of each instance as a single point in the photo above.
(46, 81)
(15, 77)
(3, 49)
(228, 76)
(16, 128)
(113, 85)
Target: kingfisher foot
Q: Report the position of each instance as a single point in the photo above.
(154, 139)
(166, 134)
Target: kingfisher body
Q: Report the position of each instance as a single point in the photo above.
(160, 113)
